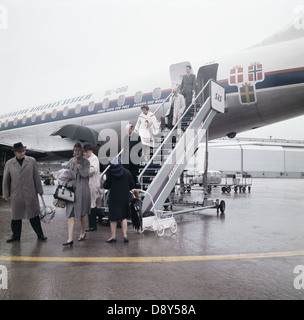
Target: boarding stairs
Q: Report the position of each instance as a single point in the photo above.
(176, 147)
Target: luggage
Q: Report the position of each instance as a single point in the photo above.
(65, 193)
(47, 213)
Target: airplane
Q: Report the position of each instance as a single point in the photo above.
(264, 84)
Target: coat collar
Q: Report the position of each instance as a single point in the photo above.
(25, 162)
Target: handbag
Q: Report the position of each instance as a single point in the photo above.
(47, 213)
(64, 193)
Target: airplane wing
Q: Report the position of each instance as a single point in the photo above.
(7, 149)
(258, 142)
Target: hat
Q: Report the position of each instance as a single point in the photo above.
(18, 146)
(87, 147)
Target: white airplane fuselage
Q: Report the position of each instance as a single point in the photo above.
(264, 85)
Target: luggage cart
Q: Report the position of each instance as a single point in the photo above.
(160, 221)
(238, 181)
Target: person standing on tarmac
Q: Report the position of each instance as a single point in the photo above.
(120, 182)
(80, 169)
(21, 185)
(94, 183)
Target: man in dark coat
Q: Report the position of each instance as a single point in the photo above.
(132, 152)
(188, 85)
(21, 184)
(120, 182)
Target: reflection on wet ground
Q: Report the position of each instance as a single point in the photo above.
(217, 256)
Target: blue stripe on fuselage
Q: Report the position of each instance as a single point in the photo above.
(272, 79)
(129, 103)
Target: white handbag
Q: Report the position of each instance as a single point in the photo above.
(64, 193)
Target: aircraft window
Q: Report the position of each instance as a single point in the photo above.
(33, 119)
(105, 103)
(24, 120)
(91, 106)
(54, 113)
(65, 111)
(15, 121)
(138, 97)
(156, 93)
(121, 100)
(78, 109)
(43, 116)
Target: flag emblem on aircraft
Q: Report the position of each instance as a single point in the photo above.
(247, 93)
(236, 75)
(255, 72)
(246, 81)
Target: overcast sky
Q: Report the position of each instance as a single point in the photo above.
(56, 48)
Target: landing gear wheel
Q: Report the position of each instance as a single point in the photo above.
(173, 227)
(160, 230)
(222, 206)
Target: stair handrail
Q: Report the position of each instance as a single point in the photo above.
(107, 168)
(168, 135)
(163, 103)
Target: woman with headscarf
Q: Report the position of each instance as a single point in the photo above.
(80, 169)
(147, 126)
(120, 182)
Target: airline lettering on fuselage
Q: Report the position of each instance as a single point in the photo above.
(246, 79)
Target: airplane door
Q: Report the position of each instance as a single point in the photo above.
(204, 74)
(177, 71)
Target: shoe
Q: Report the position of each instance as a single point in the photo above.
(42, 238)
(91, 229)
(66, 244)
(82, 238)
(13, 238)
(111, 240)
(126, 240)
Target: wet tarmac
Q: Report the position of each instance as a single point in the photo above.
(250, 252)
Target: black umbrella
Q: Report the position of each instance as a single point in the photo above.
(78, 133)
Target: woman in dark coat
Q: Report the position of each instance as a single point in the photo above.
(120, 182)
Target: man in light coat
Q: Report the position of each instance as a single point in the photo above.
(94, 183)
(21, 184)
(175, 109)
